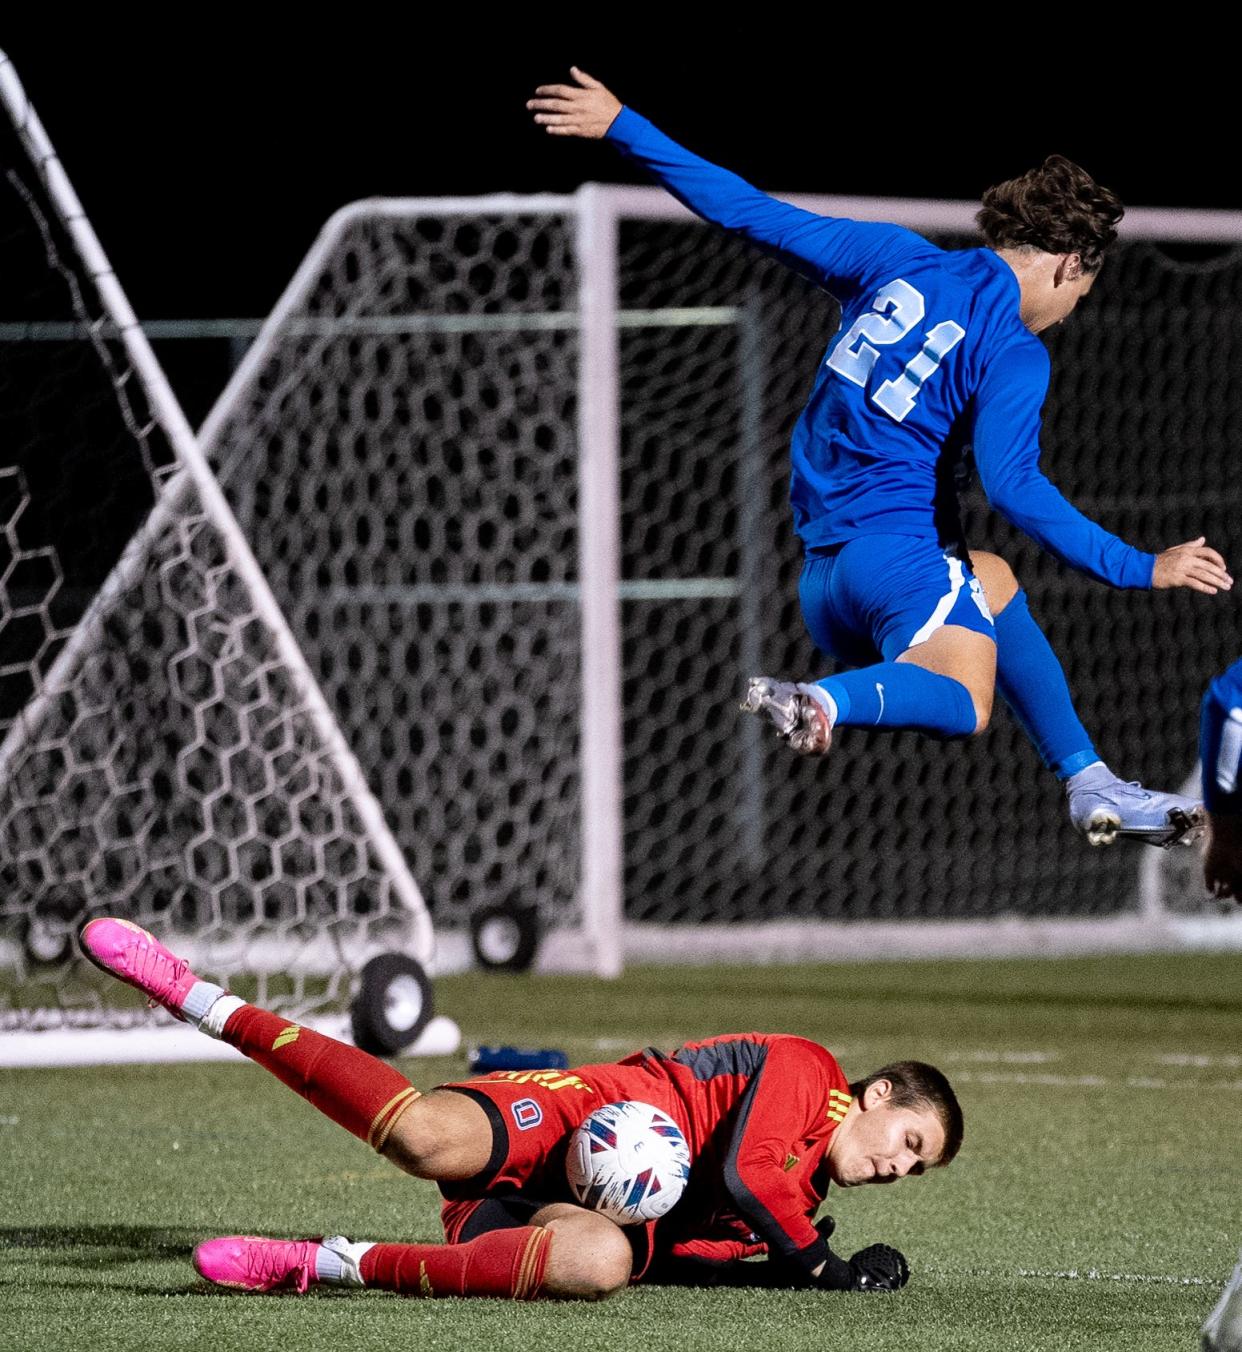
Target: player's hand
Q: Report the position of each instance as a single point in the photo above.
(879, 1268)
(1222, 862)
(583, 109)
(1194, 565)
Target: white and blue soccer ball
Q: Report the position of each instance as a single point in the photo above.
(628, 1161)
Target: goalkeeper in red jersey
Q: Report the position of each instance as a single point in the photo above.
(770, 1120)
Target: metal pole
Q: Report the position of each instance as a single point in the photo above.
(752, 492)
(599, 566)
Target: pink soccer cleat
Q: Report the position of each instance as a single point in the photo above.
(251, 1263)
(127, 952)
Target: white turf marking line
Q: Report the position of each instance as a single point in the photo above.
(1089, 1081)
(1012, 1058)
(629, 1044)
(1229, 1061)
(1074, 1275)
(1095, 1275)
(175, 1043)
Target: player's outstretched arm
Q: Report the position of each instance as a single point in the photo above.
(1195, 565)
(831, 252)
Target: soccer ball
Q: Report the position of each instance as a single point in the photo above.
(628, 1161)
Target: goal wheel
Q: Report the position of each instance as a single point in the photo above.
(45, 943)
(505, 938)
(393, 1004)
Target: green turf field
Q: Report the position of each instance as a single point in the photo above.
(1097, 1202)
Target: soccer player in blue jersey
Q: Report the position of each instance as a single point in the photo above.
(936, 352)
(1220, 750)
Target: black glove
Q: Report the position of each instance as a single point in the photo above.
(878, 1268)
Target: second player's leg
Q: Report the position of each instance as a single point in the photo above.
(1032, 682)
(1029, 673)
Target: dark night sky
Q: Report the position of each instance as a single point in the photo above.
(208, 158)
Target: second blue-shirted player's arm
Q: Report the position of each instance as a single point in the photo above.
(1220, 749)
(831, 252)
(1220, 742)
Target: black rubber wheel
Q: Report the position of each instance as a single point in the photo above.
(392, 1005)
(505, 938)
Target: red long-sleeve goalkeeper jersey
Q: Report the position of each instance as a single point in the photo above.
(759, 1111)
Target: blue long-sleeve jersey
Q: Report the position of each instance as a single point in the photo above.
(1220, 742)
(931, 357)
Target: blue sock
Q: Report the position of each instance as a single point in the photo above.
(1030, 677)
(897, 695)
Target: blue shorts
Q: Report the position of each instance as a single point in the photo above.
(877, 595)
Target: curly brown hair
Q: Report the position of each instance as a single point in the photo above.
(1058, 208)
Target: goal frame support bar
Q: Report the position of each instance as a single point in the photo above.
(194, 470)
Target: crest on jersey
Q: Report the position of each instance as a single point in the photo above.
(526, 1113)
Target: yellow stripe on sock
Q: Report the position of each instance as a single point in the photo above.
(381, 1139)
(424, 1282)
(524, 1287)
(286, 1036)
(382, 1124)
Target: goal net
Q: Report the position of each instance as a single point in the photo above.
(165, 754)
(514, 472)
(517, 470)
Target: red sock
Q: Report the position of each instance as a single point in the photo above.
(500, 1263)
(358, 1091)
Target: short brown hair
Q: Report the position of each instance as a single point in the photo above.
(918, 1085)
(1058, 208)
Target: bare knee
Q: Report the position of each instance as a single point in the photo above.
(440, 1135)
(590, 1257)
(996, 578)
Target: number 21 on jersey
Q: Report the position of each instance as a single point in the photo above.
(897, 308)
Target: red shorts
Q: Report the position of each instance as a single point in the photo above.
(532, 1114)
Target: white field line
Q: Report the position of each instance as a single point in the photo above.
(1048, 1081)
(1011, 1058)
(1229, 1061)
(1073, 1275)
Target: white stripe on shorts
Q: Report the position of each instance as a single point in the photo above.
(1230, 752)
(957, 577)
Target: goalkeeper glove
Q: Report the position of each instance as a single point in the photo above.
(878, 1268)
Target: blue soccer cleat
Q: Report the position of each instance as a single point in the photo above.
(798, 712)
(1104, 807)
